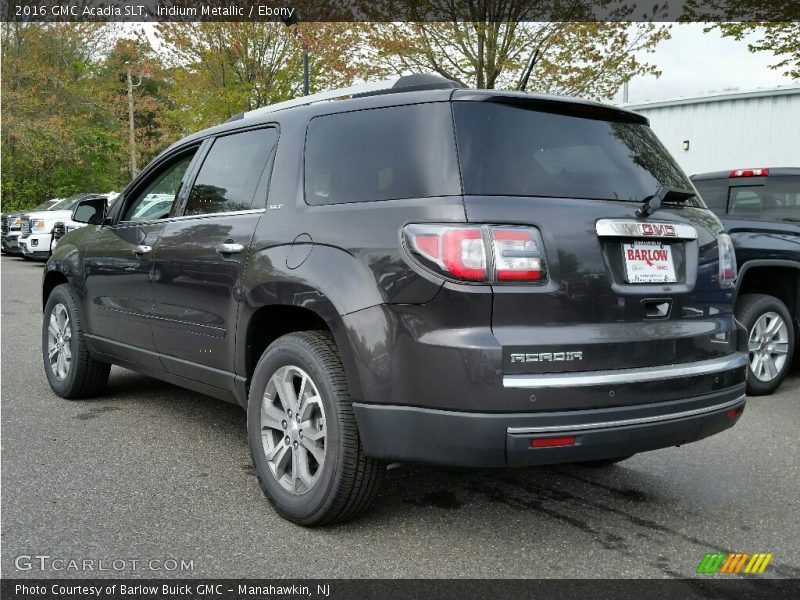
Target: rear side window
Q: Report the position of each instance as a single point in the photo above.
(778, 199)
(714, 193)
(513, 150)
(770, 199)
(228, 179)
(381, 154)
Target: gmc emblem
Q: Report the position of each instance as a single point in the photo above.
(658, 230)
(547, 357)
(634, 229)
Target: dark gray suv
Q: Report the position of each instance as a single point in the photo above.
(419, 273)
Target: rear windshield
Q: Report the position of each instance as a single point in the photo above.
(767, 198)
(511, 150)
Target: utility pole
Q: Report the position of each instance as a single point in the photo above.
(294, 20)
(305, 69)
(131, 128)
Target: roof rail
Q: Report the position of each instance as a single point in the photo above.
(406, 83)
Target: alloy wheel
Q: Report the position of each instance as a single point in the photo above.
(293, 429)
(768, 346)
(59, 335)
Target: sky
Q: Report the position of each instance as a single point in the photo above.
(695, 63)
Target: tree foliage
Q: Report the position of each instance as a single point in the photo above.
(64, 92)
(221, 69)
(56, 134)
(512, 44)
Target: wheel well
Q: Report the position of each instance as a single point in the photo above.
(781, 282)
(271, 322)
(51, 280)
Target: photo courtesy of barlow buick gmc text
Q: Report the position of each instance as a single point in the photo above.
(442, 299)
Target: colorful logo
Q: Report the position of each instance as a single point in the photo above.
(734, 563)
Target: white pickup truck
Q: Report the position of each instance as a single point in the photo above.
(36, 228)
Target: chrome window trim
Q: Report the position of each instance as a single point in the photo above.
(627, 422)
(231, 213)
(630, 228)
(623, 376)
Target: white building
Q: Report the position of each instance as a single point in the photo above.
(729, 131)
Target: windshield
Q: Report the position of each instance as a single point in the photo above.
(515, 151)
(771, 199)
(68, 203)
(47, 204)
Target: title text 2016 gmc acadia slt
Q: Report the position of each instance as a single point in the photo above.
(419, 273)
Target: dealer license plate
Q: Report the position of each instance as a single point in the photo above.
(648, 262)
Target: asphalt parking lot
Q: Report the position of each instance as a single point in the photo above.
(152, 471)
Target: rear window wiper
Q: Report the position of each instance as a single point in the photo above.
(664, 194)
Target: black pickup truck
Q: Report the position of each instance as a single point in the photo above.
(760, 208)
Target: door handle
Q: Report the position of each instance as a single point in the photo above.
(229, 248)
(142, 249)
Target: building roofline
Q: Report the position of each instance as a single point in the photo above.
(779, 91)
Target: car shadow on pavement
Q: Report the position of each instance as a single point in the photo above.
(619, 508)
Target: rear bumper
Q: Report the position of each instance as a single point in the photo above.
(410, 434)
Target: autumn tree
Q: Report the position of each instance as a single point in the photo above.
(221, 69)
(153, 127)
(522, 45)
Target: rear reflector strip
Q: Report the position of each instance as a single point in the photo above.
(735, 412)
(552, 442)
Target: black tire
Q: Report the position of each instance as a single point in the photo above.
(86, 376)
(749, 309)
(605, 462)
(348, 480)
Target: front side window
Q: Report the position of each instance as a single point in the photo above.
(381, 154)
(162, 191)
(231, 171)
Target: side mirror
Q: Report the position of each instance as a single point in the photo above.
(91, 211)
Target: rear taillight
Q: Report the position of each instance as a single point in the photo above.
(463, 254)
(517, 256)
(749, 173)
(727, 261)
(486, 253)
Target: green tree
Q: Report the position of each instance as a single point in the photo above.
(56, 131)
(513, 44)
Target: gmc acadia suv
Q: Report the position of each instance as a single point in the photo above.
(419, 273)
